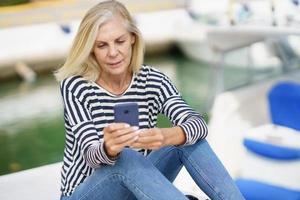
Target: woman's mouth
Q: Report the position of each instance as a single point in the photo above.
(115, 64)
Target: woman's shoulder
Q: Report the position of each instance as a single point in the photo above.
(72, 83)
(150, 71)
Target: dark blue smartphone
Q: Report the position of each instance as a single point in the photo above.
(127, 113)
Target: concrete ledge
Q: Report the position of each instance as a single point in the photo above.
(38, 183)
(44, 183)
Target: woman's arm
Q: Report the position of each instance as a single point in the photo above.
(189, 126)
(181, 114)
(81, 126)
(173, 136)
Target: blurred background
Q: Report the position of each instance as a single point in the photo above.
(217, 52)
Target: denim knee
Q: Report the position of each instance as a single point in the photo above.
(128, 163)
(199, 143)
(132, 160)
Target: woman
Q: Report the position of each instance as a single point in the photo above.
(107, 160)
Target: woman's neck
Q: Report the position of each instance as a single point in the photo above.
(115, 84)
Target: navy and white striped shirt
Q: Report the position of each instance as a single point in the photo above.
(88, 108)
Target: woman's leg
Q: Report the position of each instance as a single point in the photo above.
(203, 166)
(167, 160)
(208, 171)
(132, 173)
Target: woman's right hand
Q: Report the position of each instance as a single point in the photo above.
(117, 136)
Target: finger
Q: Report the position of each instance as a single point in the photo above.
(126, 137)
(146, 145)
(146, 132)
(124, 131)
(156, 137)
(125, 144)
(120, 137)
(131, 141)
(138, 145)
(146, 139)
(116, 126)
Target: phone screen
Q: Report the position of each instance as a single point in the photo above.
(127, 113)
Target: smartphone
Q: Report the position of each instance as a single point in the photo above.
(127, 113)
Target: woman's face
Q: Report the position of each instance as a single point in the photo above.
(113, 47)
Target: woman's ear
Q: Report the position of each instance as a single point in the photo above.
(132, 38)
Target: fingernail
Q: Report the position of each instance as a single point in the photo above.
(126, 125)
(135, 128)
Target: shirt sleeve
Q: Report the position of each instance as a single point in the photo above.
(84, 130)
(180, 113)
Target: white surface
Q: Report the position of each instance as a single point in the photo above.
(186, 184)
(39, 183)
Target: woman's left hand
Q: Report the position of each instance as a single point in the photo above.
(152, 138)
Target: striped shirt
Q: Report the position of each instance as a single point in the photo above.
(88, 108)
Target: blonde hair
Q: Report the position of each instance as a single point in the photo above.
(80, 60)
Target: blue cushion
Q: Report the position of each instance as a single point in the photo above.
(272, 151)
(255, 190)
(284, 102)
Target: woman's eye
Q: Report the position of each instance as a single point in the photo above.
(120, 41)
(100, 46)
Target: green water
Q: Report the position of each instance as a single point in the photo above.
(31, 122)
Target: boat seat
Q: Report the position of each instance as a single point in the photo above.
(256, 190)
(284, 104)
(271, 166)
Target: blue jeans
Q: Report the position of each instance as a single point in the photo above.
(137, 177)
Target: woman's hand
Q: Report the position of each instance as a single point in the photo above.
(152, 138)
(155, 138)
(117, 136)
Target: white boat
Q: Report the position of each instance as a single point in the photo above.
(39, 46)
(244, 113)
(205, 42)
(252, 43)
(29, 49)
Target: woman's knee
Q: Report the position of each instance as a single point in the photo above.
(202, 142)
(198, 144)
(128, 163)
(131, 159)
(201, 147)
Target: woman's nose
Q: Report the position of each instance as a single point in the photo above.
(113, 51)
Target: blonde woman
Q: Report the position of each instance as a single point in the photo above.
(107, 160)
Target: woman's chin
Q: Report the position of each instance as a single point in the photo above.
(118, 71)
